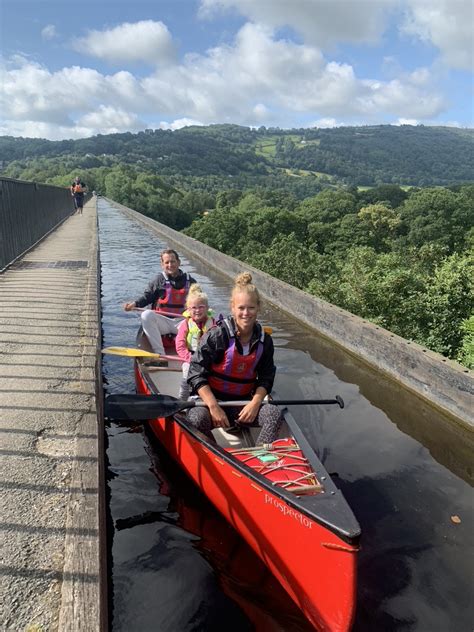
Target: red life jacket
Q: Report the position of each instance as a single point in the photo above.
(78, 188)
(236, 374)
(174, 300)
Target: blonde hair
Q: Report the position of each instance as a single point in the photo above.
(243, 283)
(196, 293)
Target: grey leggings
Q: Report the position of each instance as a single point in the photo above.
(269, 418)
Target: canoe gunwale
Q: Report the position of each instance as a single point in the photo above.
(344, 527)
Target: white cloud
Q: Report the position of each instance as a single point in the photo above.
(403, 121)
(111, 119)
(401, 99)
(34, 129)
(261, 112)
(452, 124)
(447, 24)
(49, 32)
(320, 22)
(30, 91)
(230, 83)
(326, 123)
(146, 41)
(104, 120)
(258, 79)
(179, 123)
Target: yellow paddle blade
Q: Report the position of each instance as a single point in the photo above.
(130, 353)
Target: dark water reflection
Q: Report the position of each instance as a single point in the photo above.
(404, 469)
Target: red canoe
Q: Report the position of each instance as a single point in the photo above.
(279, 498)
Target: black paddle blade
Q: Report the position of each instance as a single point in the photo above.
(130, 407)
(143, 407)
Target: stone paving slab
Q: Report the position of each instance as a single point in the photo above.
(50, 452)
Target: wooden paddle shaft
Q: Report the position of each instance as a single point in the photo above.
(163, 313)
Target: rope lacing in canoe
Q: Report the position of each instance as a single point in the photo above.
(305, 482)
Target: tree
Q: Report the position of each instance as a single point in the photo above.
(449, 301)
(437, 215)
(391, 193)
(228, 199)
(381, 223)
(328, 206)
(286, 259)
(466, 350)
(267, 223)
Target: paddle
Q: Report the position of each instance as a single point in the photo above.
(266, 328)
(162, 312)
(129, 352)
(144, 407)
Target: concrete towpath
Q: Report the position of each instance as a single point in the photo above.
(51, 441)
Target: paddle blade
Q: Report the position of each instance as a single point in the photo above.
(130, 353)
(143, 407)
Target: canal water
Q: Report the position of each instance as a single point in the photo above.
(406, 471)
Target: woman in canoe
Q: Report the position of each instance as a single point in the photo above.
(235, 362)
(167, 293)
(197, 320)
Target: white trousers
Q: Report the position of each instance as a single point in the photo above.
(156, 325)
(184, 389)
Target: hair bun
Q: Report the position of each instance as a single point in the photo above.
(195, 288)
(244, 278)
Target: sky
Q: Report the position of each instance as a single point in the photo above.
(106, 66)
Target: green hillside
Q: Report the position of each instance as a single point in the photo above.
(361, 156)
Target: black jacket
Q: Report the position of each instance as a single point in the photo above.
(211, 350)
(156, 288)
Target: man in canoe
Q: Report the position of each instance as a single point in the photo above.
(165, 293)
(235, 362)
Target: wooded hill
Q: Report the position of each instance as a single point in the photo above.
(361, 156)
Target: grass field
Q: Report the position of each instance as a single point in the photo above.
(405, 187)
(267, 146)
(301, 173)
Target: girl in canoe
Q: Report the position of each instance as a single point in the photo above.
(235, 361)
(166, 293)
(197, 320)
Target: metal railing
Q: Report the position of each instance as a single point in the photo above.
(28, 212)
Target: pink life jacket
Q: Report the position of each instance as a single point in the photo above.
(174, 300)
(236, 373)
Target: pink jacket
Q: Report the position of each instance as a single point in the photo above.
(180, 342)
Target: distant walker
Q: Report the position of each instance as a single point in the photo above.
(78, 188)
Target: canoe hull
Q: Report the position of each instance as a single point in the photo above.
(315, 566)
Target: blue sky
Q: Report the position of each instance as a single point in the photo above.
(114, 66)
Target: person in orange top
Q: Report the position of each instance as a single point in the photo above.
(78, 188)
